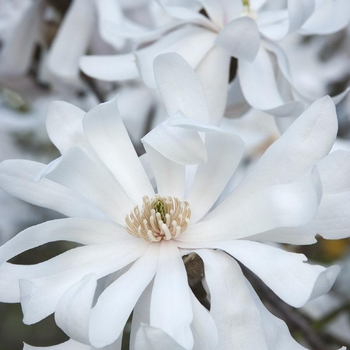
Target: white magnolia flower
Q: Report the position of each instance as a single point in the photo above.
(208, 43)
(137, 218)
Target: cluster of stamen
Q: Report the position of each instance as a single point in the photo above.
(160, 218)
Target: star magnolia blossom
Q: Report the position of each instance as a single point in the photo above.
(208, 43)
(137, 218)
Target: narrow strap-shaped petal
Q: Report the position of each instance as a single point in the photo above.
(170, 176)
(117, 301)
(203, 327)
(79, 173)
(106, 133)
(180, 87)
(289, 205)
(17, 177)
(83, 231)
(283, 272)
(171, 308)
(236, 316)
(39, 296)
(298, 149)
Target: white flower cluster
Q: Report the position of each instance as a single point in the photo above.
(174, 236)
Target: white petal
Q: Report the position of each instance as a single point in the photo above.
(224, 153)
(183, 146)
(230, 38)
(329, 18)
(68, 345)
(170, 176)
(171, 308)
(276, 331)
(288, 205)
(285, 273)
(17, 177)
(82, 231)
(236, 316)
(298, 149)
(236, 103)
(203, 327)
(73, 310)
(72, 41)
(107, 134)
(110, 68)
(79, 173)
(214, 81)
(113, 307)
(152, 338)
(179, 41)
(332, 220)
(39, 296)
(180, 87)
(262, 92)
(64, 126)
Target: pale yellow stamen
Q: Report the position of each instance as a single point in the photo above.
(162, 218)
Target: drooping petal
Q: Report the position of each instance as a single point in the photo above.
(79, 173)
(298, 149)
(180, 87)
(76, 29)
(106, 133)
(110, 68)
(236, 316)
(230, 38)
(215, 85)
(179, 41)
(288, 205)
(285, 273)
(224, 153)
(113, 307)
(171, 308)
(68, 345)
(17, 177)
(64, 126)
(39, 296)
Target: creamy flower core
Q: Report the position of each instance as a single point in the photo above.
(160, 218)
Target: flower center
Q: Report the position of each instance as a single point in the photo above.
(160, 218)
